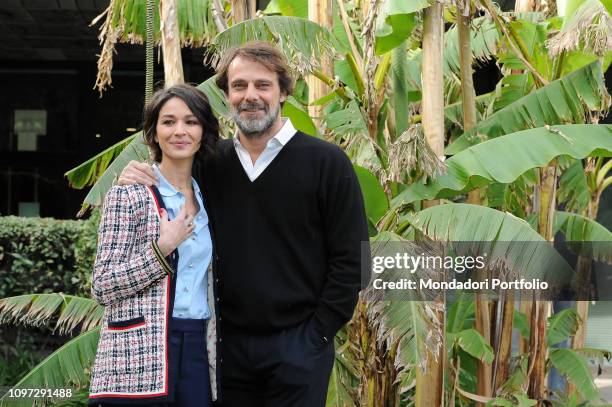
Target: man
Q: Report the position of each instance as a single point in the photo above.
(288, 218)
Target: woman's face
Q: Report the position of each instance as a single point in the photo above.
(179, 132)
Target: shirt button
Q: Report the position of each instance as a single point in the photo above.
(190, 265)
(186, 288)
(193, 237)
(200, 217)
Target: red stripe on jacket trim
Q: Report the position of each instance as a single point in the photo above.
(126, 396)
(168, 289)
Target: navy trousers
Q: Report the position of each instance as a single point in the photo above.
(290, 368)
(189, 363)
(188, 370)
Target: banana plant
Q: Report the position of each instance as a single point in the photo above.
(540, 112)
(68, 365)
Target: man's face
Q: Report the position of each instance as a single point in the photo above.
(254, 96)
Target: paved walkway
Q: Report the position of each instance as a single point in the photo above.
(604, 383)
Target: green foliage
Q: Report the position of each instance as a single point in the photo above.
(574, 188)
(505, 158)
(566, 100)
(299, 116)
(532, 37)
(196, 25)
(521, 323)
(395, 23)
(483, 40)
(374, 196)
(573, 366)
(302, 41)
(472, 342)
(578, 229)
(44, 255)
(104, 168)
(561, 326)
(62, 369)
(86, 174)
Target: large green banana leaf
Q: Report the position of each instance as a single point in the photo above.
(472, 342)
(574, 188)
(64, 368)
(38, 309)
(135, 150)
(303, 42)
(87, 173)
(561, 326)
(505, 158)
(570, 364)
(395, 22)
(375, 199)
(578, 228)
(507, 240)
(566, 100)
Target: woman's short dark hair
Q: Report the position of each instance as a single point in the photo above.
(259, 51)
(198, 103)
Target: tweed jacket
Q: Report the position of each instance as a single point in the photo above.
(136, 283)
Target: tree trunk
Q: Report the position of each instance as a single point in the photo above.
(171, 43)
(433, 79)
(243, 10)
(504, 345)
(583, 271)
(540, 309)
(430, 380)
(468, 105)
(320, 11)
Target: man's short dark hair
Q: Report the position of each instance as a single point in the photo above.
(197, 102)
(258, 51)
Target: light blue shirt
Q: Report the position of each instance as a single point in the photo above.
(195, 253)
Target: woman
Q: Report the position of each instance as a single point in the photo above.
(153, 269)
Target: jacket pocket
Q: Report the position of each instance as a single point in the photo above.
(126, 325)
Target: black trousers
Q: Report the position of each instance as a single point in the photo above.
(290, 368)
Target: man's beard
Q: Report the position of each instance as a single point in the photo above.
(253, 128)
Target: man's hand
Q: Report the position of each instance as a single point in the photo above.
(137, 173)
(173, 232)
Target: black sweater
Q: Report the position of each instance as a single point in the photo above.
(288, 243)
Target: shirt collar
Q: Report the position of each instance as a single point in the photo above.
(166, 189)
(282, 137)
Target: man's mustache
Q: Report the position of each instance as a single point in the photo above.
(251, 106)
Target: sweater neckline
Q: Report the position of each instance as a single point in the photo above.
(266, 170)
